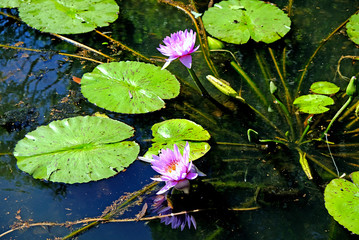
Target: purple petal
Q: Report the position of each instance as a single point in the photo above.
(186, 60)
(157, 179)
(191, 176)
(168, 185)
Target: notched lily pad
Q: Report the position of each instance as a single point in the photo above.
(353, 28)
(313, 104)
(324, 87)
(179, 131)
(236, 21)
(342, 201)
(70, 16)
(129, 87)
(77, 150)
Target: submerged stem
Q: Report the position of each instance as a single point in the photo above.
(78, 44)
(250, 82)
(109, 215)
(124, 47)
(324, 41)
(286, 90)
(286, 115)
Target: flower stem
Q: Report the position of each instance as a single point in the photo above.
(337, 115)
(198, 83)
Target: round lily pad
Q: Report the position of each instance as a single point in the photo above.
(235, 21)
(179, 131)
(313, 104)
(353, 28)
(324, 87)
(77, 150)
(129, 87)
(11, 3)
(69, 16)
(342, 201)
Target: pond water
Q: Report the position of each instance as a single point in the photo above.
(37, 88)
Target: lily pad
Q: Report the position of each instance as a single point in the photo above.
(342, 201)
(11, 3)
(313, 104)
(70, 16)
(179, 131)
(236, 21)
(323, 87)
(129, 87)
(77, 150)
(353, 28)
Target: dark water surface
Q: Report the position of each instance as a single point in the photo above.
(37, 88)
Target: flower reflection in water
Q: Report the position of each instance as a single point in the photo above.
(162, 206)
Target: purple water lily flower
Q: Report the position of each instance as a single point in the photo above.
(176, 169)
(179, 45)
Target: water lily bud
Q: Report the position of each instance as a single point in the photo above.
(352, 87)
(272, 87)
(214, 43)
(222, 86)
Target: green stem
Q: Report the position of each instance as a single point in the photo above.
(287, 116)
(198, 83)
(310, 60)
(250, 82)
(286, 90)
(306, 129)
(272, 140)
(337, 115)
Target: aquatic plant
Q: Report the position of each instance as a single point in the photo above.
(134, 87)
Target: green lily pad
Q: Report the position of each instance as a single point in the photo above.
(327, 88)
(313, 104)
(70, 16)
(179, 131)
(342, 201)
(77, 150)
(235, 21)
(129, 87)
(353, 28)
(11, 3)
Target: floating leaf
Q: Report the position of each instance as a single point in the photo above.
(129, 87)
(70, 16)
(324, 88)
(342, 201)
(77, 150)
(313, 104)
(179, 131)
(11, 3)
(353, 28)
(235, 21)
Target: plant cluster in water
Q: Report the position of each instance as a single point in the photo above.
(90, 148)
